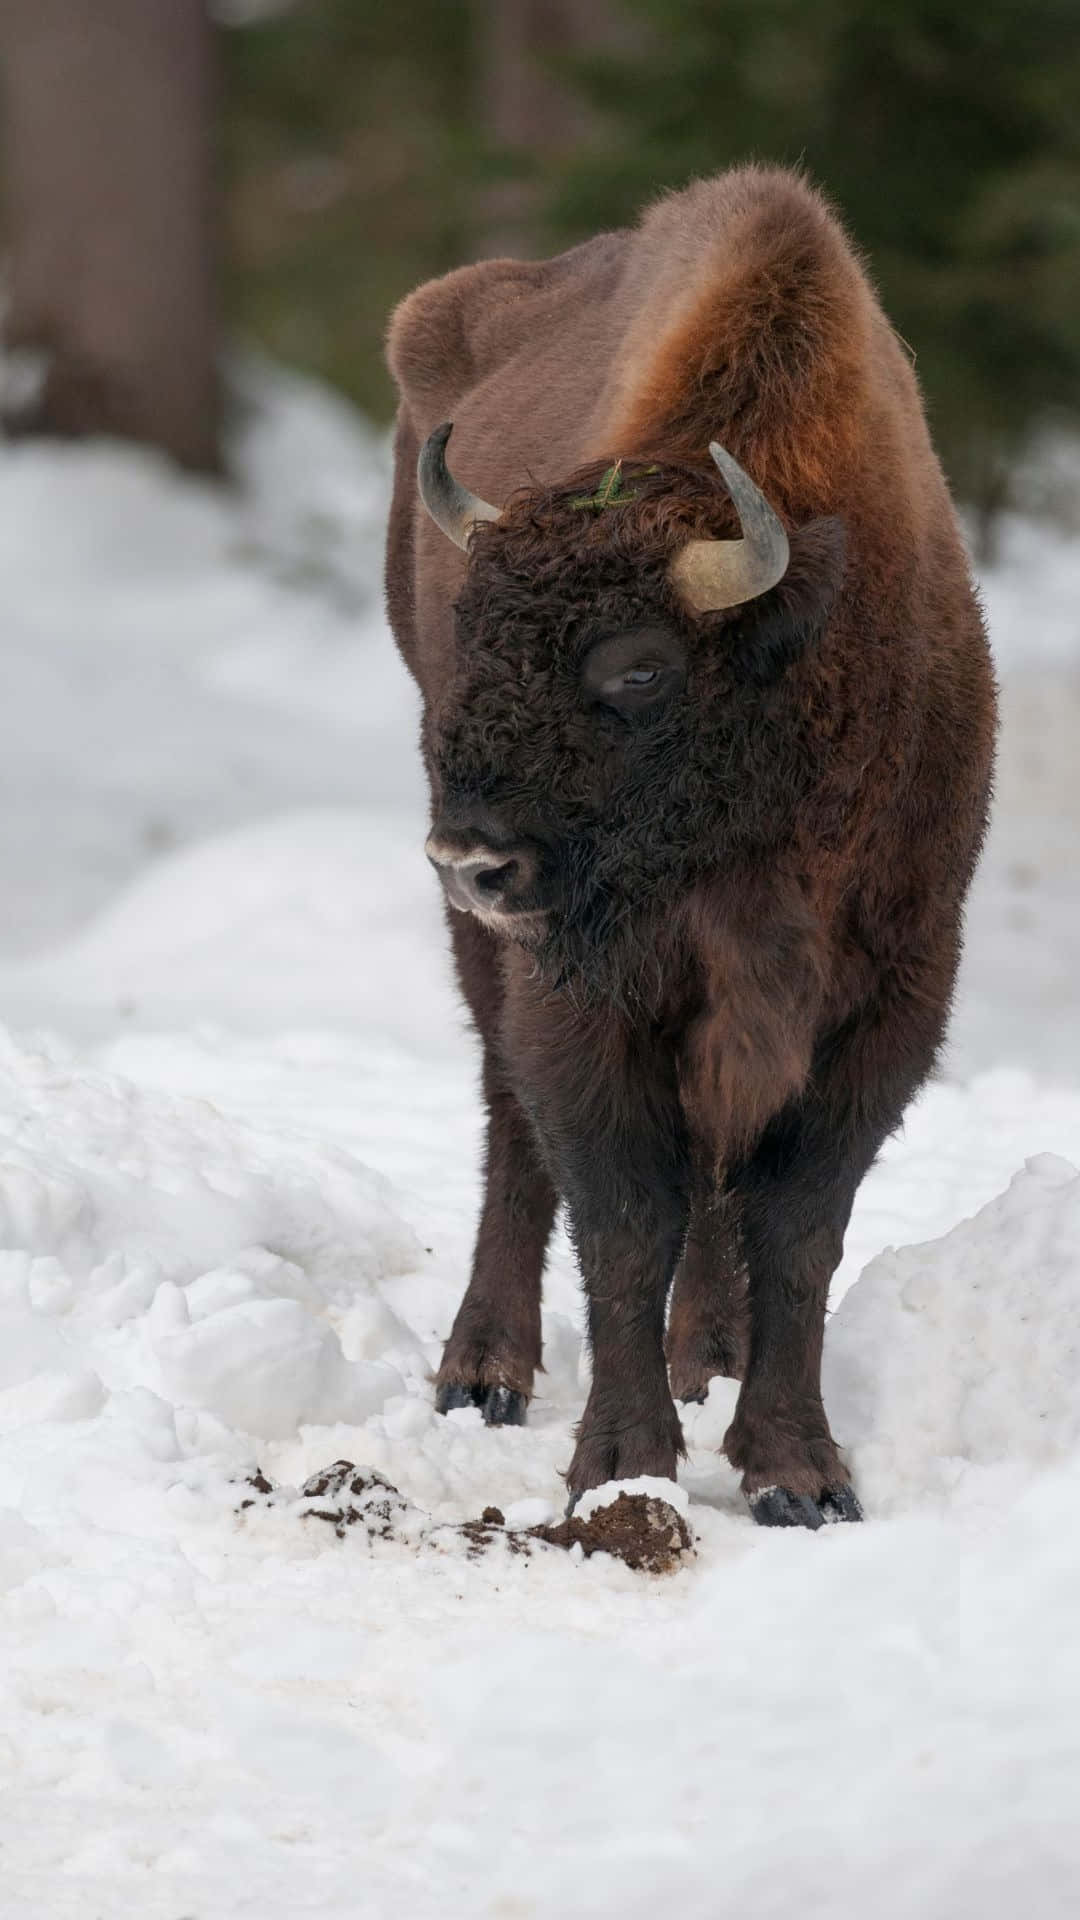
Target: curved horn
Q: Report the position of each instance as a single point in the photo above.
(452, 507)
(710, 574)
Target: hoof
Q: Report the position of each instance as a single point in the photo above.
(448, 1399)
(500, 1406)
(776, 1507)
(840, 1503)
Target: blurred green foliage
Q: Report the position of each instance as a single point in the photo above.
(946, 131)
(347, 174)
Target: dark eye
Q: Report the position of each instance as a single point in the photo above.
(636, 688)
(635, 672)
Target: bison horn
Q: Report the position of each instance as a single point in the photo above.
(710, 574)
(452, 507)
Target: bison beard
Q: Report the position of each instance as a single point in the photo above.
(739, 896)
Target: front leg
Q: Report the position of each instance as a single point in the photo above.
(795, 1198)
(493, 1351)
(794, 1194)
(604, 1098)
(628, 1246)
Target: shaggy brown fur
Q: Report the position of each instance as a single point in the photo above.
(752, 895)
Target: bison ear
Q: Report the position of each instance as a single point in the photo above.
(771, 633)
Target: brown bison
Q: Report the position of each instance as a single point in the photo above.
(708, 723)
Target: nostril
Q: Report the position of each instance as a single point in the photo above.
(493, 880)
(490, 881)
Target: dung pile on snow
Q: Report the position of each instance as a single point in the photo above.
(641, 1523)
(951, 1368)
(646, 1532)
(342, 1497)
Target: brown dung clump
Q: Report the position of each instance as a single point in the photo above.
(647, 1534)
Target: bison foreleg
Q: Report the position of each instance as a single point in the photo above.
(794, 1196)
(629, 1234)
(630, 1425)
(605, 1102)
(494, 1347)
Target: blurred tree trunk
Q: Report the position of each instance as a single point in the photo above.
(528, 111)
(108, 127)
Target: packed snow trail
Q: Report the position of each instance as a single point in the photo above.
(239, 1141)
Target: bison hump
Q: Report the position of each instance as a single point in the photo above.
(748, 311)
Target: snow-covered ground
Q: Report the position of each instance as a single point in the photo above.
(238, 1147)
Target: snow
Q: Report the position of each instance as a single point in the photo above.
(239, 1140)
(646, 1483)
(956, 1359)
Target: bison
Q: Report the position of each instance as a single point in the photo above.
(708, 721)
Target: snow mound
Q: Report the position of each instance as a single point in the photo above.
(959, 1357)
(152, 1244)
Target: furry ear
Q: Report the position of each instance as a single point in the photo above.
(771, 633)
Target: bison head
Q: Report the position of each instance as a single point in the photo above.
(609, 734)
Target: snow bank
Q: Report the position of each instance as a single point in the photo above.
(150, 1243)
(950, 1367)
(963, 1354)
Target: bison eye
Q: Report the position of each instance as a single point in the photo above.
(630, 677)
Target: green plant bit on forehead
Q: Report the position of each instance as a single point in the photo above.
(610, 492)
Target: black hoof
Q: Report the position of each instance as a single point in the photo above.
(448, 1399)
(500, 1406)
(776, 1507)
(840, 1503)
